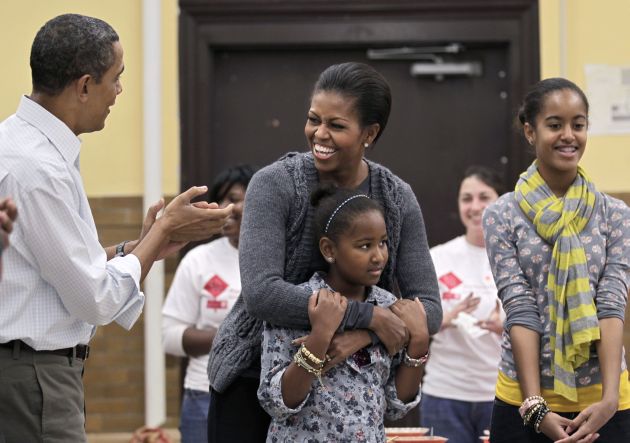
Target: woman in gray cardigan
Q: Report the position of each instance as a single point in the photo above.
(349, 110)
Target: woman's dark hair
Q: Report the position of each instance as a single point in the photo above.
(363, 84)
(535, 97)
(331, 211)
(239, 174)
(68, 47)
(488, 176)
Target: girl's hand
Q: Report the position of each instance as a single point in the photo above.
(412, 313)
(345, 344)
(342, 345)
(325, 311)
(584, 427)
(553, 426)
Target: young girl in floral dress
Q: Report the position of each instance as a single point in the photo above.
(308, 399)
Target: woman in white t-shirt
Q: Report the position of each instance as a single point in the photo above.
(458, 386)
(206, 285)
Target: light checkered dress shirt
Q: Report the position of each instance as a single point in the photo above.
(57, 284)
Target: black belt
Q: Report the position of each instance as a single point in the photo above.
(79, 351)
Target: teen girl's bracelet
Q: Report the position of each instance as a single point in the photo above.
(528, 403)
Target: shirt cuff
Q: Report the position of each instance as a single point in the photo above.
(130, 265)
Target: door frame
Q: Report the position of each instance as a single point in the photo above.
(209, 25)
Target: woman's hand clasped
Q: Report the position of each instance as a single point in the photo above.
(390, 329)
(412, 313)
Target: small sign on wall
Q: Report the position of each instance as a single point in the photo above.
(608, 91)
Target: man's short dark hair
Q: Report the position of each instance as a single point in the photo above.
(68, 47)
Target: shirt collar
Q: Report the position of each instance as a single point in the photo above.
(54, 129)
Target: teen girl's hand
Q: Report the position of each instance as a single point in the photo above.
(412, 313)
(553, 426)
(325, 312)
(390, 329)
(589, 421)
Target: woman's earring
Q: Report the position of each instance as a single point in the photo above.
(366, 145)
(330, 259)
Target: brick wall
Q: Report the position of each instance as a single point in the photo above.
(114, 374)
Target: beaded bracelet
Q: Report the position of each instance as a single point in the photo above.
(528, 403)
(312, 357)
(531, 413)
(302, 363)
(540, 417)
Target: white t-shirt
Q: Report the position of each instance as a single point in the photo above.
(205, 287)
(462, 367)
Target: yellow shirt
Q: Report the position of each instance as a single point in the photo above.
(509, 391)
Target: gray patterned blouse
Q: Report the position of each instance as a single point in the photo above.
(520, 258)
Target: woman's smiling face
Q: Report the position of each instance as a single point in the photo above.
(334, 133)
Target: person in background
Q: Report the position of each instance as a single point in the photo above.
(560, 256)
(8, 214)
(204, 289)
(347, 401)
(59, 282)
(459, 380)
(348, 112)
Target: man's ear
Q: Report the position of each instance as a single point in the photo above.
(82, 86)
(327, 248)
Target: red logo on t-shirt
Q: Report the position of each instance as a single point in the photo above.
(450, 296)
(450, 280)
(215, 286)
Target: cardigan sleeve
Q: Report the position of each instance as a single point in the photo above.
(414, 268)
(262, 251)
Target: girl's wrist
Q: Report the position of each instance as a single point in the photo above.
(417, 347)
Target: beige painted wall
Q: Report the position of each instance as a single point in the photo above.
(111, 160)
(597, 32)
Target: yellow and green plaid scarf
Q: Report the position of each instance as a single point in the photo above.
(572, 312)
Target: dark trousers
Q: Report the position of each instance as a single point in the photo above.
(41, 397)
(235, 415)
(507, 426)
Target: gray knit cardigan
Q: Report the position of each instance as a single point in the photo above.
(276, 252)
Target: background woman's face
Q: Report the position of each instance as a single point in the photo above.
(333, 132)
(474, 197)
(232, 228)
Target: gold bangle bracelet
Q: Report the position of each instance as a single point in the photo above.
(312, 357)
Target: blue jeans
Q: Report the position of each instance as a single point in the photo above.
(193, 422)
(459, 421)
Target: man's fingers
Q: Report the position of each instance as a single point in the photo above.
(193, 192)
(155, 208)
(206, 205)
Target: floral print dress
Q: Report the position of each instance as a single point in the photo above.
(355, 397)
